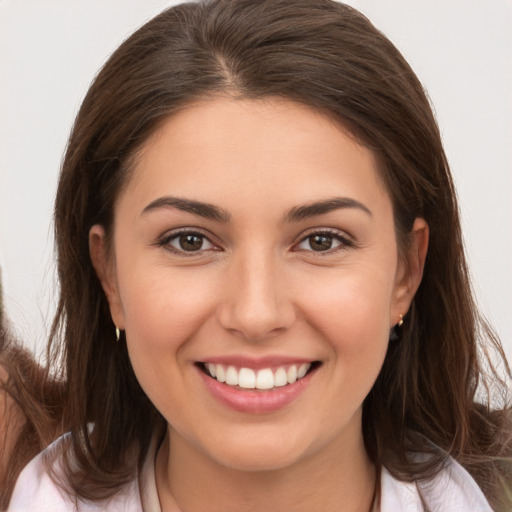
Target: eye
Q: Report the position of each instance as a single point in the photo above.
(187, 241)
(324, 241)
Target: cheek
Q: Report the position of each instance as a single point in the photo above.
(163, 310)
(350, 304)
(351, 312)
(358, 335)
(165, 304)
(163, 315)
(348, 313)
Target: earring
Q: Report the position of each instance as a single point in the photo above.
(395, 333)
(118, 333)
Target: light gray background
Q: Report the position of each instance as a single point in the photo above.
(51, 49)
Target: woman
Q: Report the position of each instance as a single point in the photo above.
(256, 201)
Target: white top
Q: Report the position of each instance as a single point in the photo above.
(452, 490)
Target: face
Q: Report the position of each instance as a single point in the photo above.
(255, 272)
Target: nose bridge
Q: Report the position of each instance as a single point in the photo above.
(256, 304)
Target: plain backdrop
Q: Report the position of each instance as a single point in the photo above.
(51, 49)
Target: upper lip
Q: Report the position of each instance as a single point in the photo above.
(270, 361)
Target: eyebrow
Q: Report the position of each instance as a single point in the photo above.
(321, 207)
(295, 214)
(208, 211)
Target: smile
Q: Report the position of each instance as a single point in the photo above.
(263, 389)
(262, 379)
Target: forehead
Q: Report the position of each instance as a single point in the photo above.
(237, 152)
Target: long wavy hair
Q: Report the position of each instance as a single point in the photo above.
(438, 385)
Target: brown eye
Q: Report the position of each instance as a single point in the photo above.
(320, 242)
(324, 241)
(189, 242)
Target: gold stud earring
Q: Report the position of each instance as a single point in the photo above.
(401, 321)
(118, 333)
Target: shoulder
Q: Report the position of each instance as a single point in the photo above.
(36, 490)
(451, 490)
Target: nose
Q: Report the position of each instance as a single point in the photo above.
(256, 303)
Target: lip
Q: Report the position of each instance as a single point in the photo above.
(255, 402)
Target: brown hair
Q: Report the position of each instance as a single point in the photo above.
(31, 409)
(327, 56)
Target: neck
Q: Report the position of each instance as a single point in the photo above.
(339, 478)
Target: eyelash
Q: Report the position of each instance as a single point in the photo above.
(165, 241)
(344, 241)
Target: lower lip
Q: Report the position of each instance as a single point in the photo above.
(256, 402)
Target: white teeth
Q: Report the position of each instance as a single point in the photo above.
(247, 378)
(265, 378)
(232, 376)
(303, 369)
(280, 377)
(220, 374)
(291, 374)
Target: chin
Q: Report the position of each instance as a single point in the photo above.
(261, 453)
(258, 462)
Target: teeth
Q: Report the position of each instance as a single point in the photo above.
(291, 374)
(303, 369)
(247, 378)
(266, 378)
(280, 378)
(221, 375)
(232, 376)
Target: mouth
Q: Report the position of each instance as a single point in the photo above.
(261, 379)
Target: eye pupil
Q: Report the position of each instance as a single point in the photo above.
(320, 242)
(191, 242)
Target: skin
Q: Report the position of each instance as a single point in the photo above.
(257, 288)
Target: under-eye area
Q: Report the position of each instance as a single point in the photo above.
(259, 379)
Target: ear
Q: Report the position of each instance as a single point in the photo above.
(105, 270)
(410, 270)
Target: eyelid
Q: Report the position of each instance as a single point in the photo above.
(165, 239)
(346, 241)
